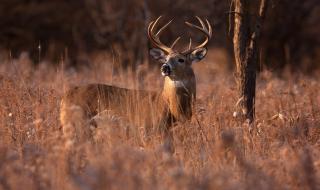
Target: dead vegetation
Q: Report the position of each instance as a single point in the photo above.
(217, 153)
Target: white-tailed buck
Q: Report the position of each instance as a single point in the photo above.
(150, 110)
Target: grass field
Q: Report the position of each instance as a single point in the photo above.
(282, 152)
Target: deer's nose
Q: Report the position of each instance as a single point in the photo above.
(165, 70)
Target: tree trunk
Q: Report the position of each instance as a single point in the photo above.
(246, 51)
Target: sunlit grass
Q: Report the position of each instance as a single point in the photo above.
(217, 153)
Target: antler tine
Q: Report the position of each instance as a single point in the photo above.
(154, 38)
(190, 44)
(203, 29)
(175, 42)
(201, 22)
(207, 30)
(162, 28)
(209, 26)
(193, 26)
(154, 23)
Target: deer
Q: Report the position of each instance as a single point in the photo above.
(155, 110)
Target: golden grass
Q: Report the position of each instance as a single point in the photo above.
(281, 153)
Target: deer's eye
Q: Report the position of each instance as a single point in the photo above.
(181, 60)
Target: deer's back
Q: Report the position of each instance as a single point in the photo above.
(94, 98)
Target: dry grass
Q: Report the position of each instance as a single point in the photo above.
(281, 153)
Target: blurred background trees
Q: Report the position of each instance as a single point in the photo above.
(75, 29)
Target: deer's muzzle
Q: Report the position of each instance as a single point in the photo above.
(165, 70)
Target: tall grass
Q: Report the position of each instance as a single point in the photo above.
(282, 151)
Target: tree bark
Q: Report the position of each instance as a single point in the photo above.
(246, 52)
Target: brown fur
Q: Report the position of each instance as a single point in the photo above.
(144, 108)
(148, 109)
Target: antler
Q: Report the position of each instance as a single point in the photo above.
(154, 37)
(206, 30)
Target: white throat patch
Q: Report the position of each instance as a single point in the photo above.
(177, 83)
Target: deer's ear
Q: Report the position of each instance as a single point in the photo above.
(197, 55)
(158, 55)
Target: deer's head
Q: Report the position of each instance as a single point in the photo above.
(177, 65)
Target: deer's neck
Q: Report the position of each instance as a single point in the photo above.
(179, 95)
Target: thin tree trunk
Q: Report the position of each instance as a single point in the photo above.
(246, 51)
